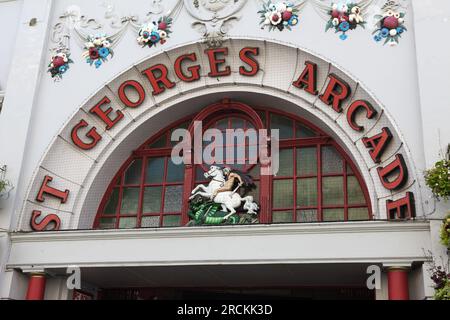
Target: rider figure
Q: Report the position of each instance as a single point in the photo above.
(230, 179)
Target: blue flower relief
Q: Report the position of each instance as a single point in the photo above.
(400, 30)
(344, 26)
(154, 37)
(103, 52)
(378, 37)
(98, 63)
(343, 36)
(384, 32)
(63, 69)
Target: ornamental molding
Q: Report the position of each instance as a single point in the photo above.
(2, 98)
(214, 18)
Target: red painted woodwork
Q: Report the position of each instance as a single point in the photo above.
(398, 286)
(403, 208)
(36, 287)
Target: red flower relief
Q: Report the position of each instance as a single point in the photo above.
(93, 53)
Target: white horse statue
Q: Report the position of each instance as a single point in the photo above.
(230, 200)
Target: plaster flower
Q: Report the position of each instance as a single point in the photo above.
(154, 37)
(400, 30)
(393, 32)
(103, 52)
(267, 21)
(98, 63)
(106, 44)
(63, 69)
(343, 36)
(89, 45)
(97, 42)
(293, 21)
(377, 38)
(93, 53)
(162, 34)
(343, 8)
(356, 10)
(384, 32)
(401, 20)
(334, 6)
(335, 22)
(390, 22)
(275, 18)
(344, 26)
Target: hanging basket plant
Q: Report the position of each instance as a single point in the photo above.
(441, 278)
(5, 188)
(438, 179)
(345, 17)
(445, 232)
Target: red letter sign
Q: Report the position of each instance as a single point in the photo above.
(398, 167)
(214, 62)
(194, 70)
(157, 81)
(41, 226)
(337, 91)
(103, 115)
(246, 56)
(353, 109)
(378, 144)
(45, 188)
(137, 87)
(93, 134)
(402, 209)
(308, 78)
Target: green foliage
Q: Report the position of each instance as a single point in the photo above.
(438, 179)
(444, 292)
(4, 184)
(445, 232)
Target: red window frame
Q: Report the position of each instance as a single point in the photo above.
(211, 115)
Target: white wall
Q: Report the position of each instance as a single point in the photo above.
(9, 19)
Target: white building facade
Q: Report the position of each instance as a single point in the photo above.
(88, 156)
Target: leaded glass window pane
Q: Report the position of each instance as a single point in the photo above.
(175, 172)
(133, 173)
(333, 190)
(152, 200)
(307, 192)
(283, 194)
(173, 199)
(107, 223)
(127, 223)
(155, 170)
(307, 161)
(333, 214)
(150, 222)
(332, 161)
(302, 131)
(355, 193)
(130, 201)
(358, 214)
(171, 221)
(113, 201)
(283, 124)
(307, 215)
(286, 164)
(282, 216)
(160, 142)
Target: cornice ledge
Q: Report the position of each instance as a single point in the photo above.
(254, 230)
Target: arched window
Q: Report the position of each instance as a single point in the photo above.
(316, 181)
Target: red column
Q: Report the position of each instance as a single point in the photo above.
(398, 283)
(36, 287)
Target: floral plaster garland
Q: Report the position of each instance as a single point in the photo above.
(59, 64)
(345, 17)
(279, 15)
(153, 33)
(390, 24)
(98, 50)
